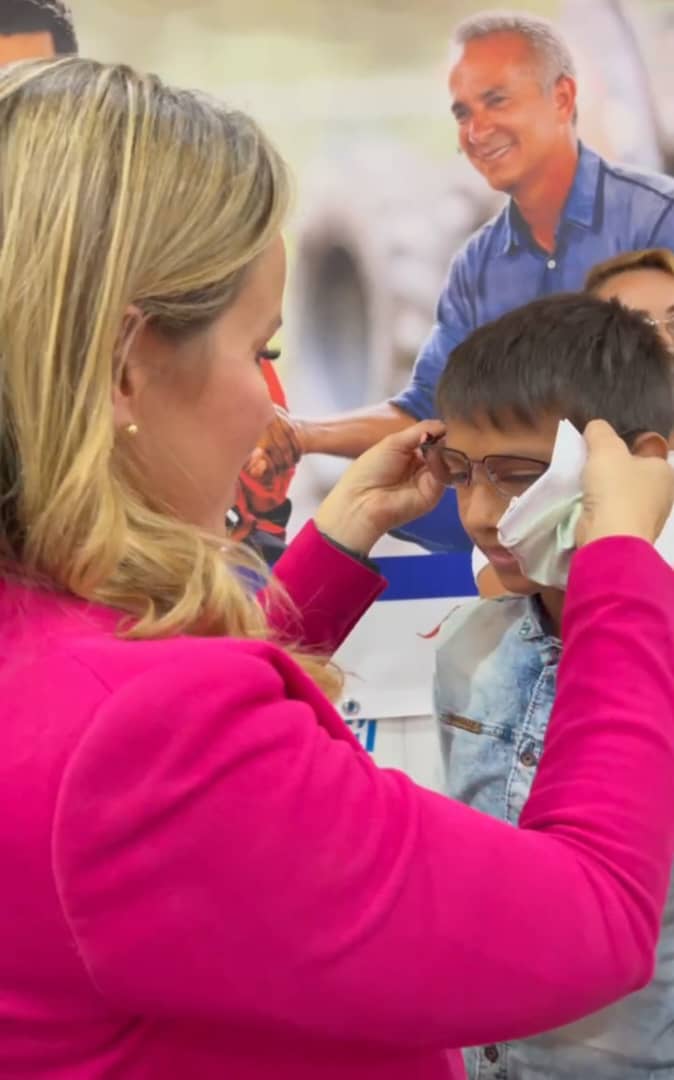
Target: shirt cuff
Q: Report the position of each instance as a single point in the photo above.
(364, 559)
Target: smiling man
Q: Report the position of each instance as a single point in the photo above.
(31, 29)
(514, 101)
(513, 92)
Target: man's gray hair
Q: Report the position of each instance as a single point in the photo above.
(543, 39)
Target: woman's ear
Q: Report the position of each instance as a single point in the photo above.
(650, 444)
(129, 376)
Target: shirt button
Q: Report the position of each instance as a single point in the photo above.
(552, 263)
(491, 1053)
(528, 758)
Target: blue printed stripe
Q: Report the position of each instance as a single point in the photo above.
(370, 736)
(366, 733)
(427, 577)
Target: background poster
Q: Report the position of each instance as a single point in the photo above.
(355, 94)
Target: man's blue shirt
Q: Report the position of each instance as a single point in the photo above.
(610, 209)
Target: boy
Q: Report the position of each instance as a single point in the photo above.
(642, 280)
(502, 396)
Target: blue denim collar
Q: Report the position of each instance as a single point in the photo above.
(533, 627)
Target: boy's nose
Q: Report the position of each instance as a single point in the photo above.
(480, 506)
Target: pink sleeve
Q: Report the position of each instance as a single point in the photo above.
(330, 591)
(218, 854)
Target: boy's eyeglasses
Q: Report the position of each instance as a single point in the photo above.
(509, 475)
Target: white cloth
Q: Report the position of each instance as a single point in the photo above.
(539, 526)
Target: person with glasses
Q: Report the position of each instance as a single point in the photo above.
(643, 280)
(502, 396)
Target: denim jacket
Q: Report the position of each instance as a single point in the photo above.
(496, 668)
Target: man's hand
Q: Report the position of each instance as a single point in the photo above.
(624, 495)
(279, 448)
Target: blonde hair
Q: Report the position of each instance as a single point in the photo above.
(117, 190)
(646, 259)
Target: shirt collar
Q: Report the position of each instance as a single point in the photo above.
(535, 623)
(579, 207)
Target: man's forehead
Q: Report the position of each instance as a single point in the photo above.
(490, 57)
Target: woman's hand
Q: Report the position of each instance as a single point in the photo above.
(624, 495)
(387, 486)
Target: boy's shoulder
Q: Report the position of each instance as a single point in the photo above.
(479, 640)
(483, 659)
(486, 620)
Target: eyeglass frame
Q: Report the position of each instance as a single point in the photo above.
(472, 463)
(433, 440)
(667, 322)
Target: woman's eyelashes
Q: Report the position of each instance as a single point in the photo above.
(268, 354)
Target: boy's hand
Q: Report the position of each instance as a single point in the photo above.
(623, 494)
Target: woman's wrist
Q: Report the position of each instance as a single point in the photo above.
(347, 525)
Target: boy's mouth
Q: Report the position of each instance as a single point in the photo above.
(502, 559)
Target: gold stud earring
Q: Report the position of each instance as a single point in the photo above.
(131, 429)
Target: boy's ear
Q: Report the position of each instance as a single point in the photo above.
(650, 444)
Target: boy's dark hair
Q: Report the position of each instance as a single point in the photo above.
(36, 16)
(572, 355)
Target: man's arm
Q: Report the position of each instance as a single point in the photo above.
(351, 434)
(348, 435)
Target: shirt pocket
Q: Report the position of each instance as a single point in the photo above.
(477, 759)
(488, 765)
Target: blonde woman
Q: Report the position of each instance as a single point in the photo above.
(203, 874)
